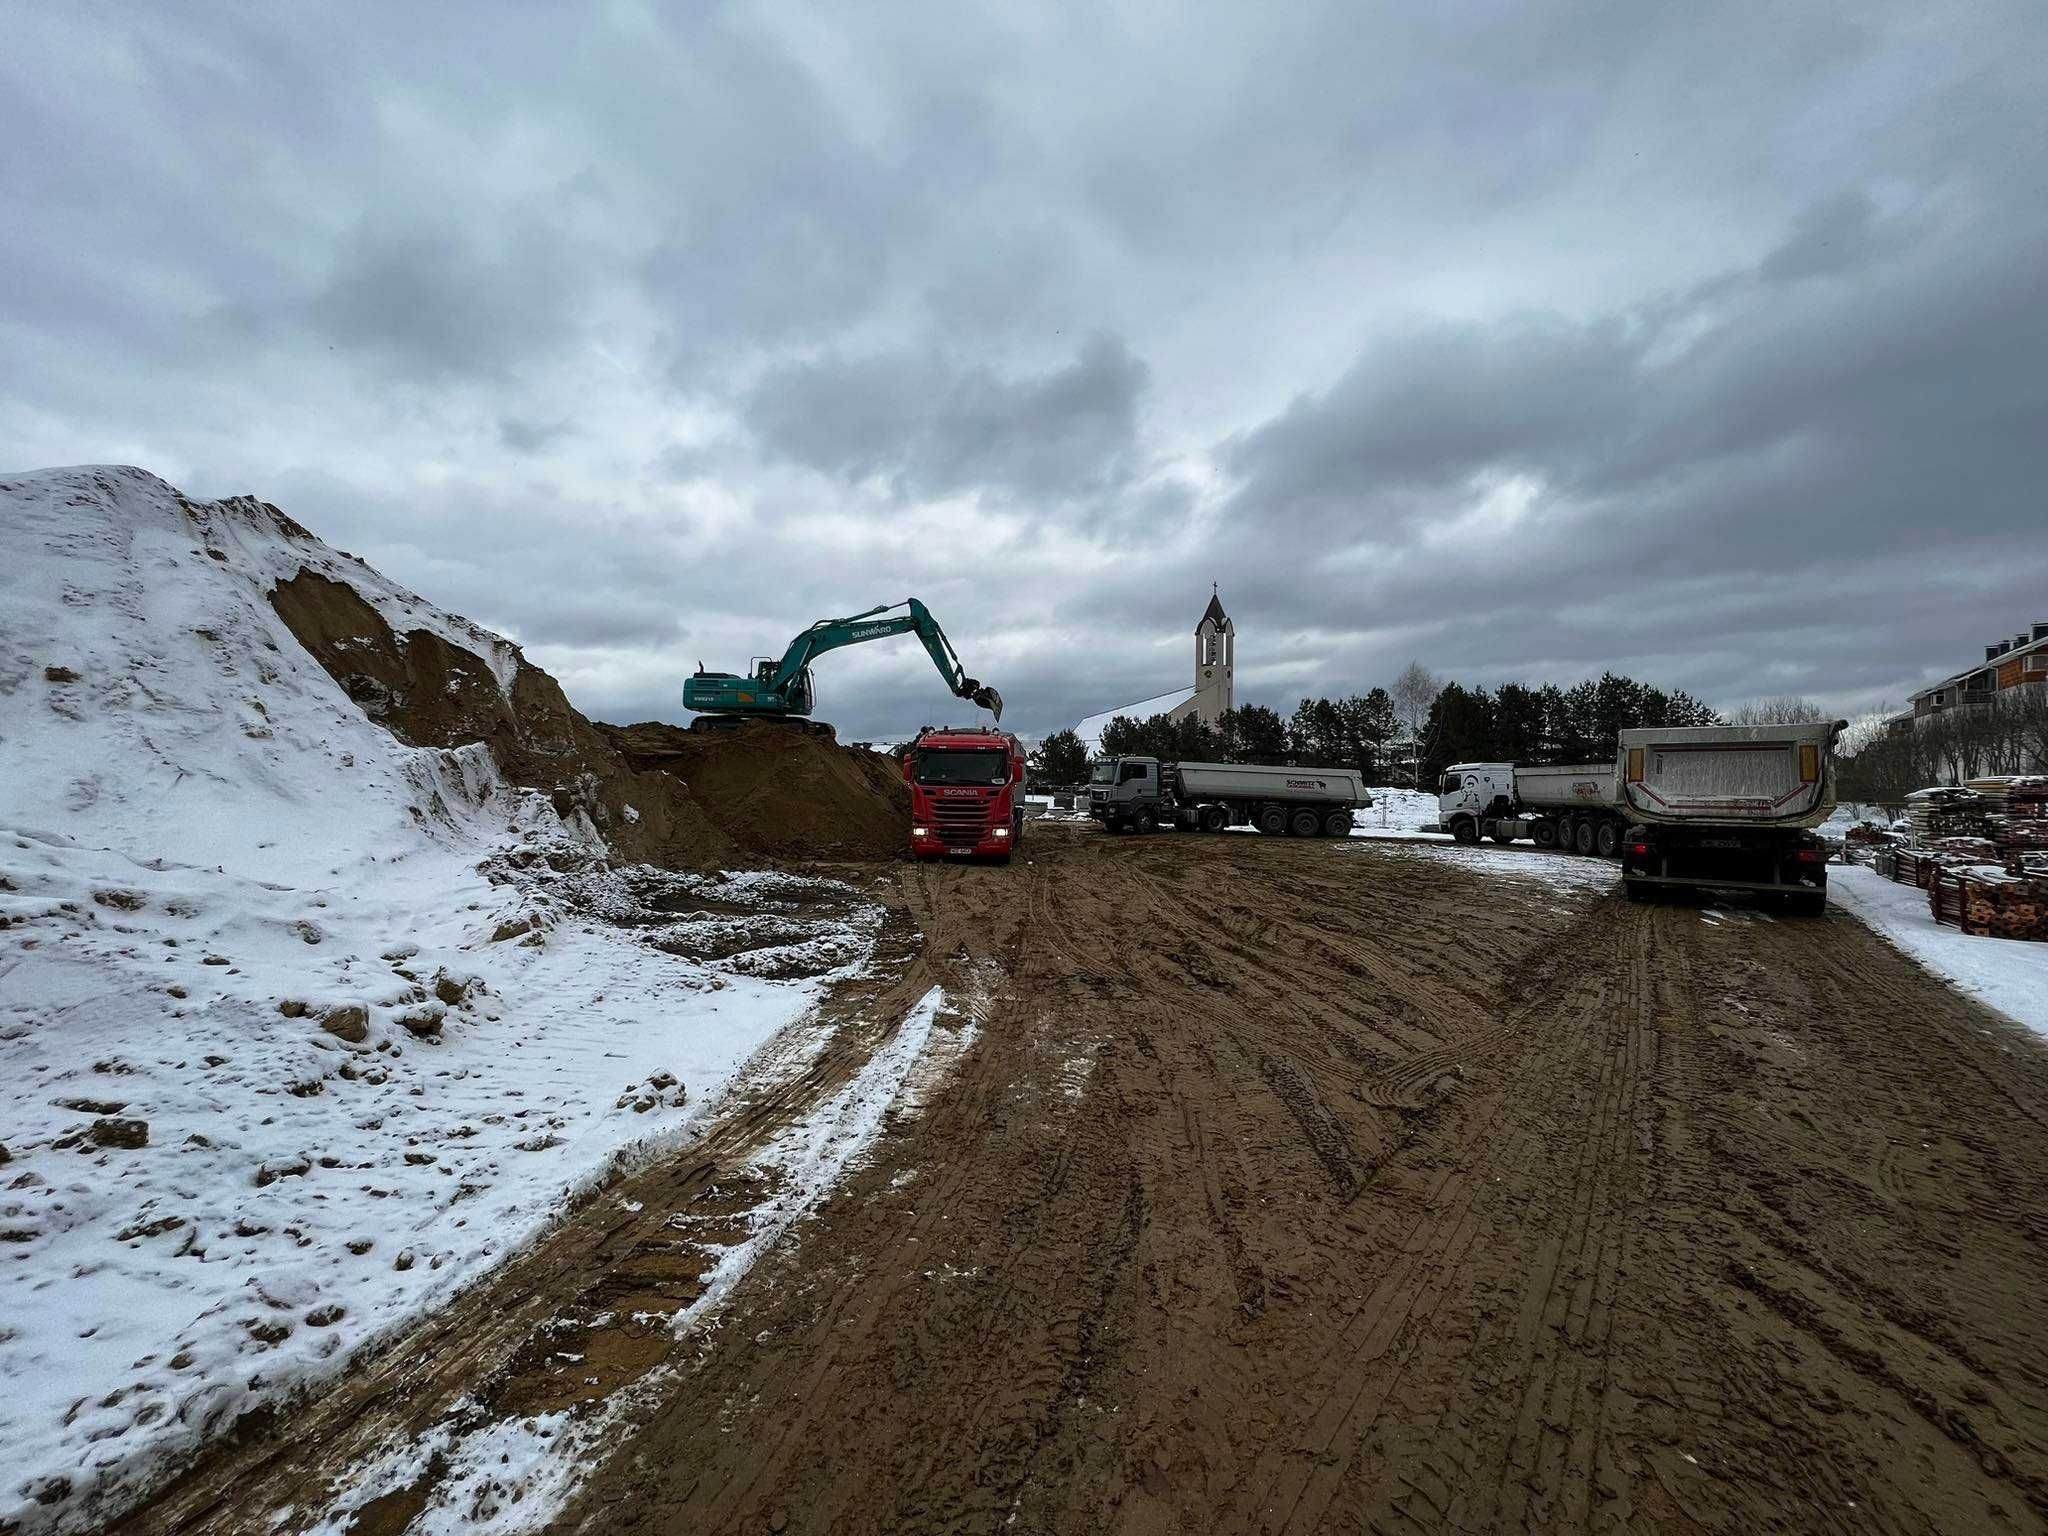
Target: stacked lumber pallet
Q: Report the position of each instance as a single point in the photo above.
(1864, 844)
(2020, 822)
(1948, 811)
(1990, 902)
(1980, 851)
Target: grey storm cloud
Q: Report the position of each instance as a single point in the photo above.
(934, 428)
(1695, 341)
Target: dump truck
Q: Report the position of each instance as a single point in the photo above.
(1728, 807)
(966, 793)
(1143, 794)
(1573, 807)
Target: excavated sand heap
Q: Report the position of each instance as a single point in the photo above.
(658, 793)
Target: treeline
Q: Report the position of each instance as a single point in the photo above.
(1515, 724)
(2006, 733)
(1407, 734)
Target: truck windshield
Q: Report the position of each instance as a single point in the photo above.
(963, 767)
(1105, 773)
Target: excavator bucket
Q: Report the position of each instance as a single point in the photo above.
(986, 697)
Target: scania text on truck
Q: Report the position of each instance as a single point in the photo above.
(1731, 807)
(966, 793)
(1574, 808)
(1143, 793)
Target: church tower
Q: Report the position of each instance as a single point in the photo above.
(1215, 661)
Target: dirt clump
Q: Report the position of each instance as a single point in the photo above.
(657, 793)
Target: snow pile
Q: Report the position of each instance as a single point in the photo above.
(301, 1028)
(1395, 813)
(2010, 975)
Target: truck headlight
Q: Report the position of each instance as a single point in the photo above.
(920, 831)
(1000, 832)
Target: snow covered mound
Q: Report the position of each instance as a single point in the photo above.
(151, 698)
(301, 1026)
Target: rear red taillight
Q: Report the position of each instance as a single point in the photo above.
(1640, 850)
(1812, 855)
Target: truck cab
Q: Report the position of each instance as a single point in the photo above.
(1469, 792)
(966, 794)
(1125, 791)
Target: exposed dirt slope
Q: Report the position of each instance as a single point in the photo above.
(1296, 1186)
(779, 793)
(657, 793)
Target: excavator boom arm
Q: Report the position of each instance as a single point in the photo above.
(831, 634)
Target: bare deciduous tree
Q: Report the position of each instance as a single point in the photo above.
(1413, 693)
(1784, 710)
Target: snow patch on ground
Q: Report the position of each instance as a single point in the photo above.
(1396, 813)
(301, 1192)
(1561, 872)
(301, 1028)
(516, 1474)
(2010, 975)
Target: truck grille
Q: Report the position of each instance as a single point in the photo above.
(960, 823)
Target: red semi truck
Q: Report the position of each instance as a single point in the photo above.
(966, 793)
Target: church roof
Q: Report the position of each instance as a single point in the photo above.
(1090, 730)
(1214, 612)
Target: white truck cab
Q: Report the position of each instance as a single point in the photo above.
(1474, 789)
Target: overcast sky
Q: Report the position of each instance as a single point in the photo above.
(1703, 342)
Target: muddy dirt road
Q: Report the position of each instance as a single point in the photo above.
(1281, 1186)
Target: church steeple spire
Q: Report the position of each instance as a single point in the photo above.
(1214, 613)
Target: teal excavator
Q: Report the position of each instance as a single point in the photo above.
(781, 689)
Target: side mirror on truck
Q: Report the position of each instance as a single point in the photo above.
(909, 766)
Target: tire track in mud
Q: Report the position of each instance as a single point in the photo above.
(1289, 1187)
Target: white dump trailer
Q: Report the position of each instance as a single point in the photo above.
(1143, 793)
(1575, 807)
(1719, 806)
(1729, 807)
(1730, 775)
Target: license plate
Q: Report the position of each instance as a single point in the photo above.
(1720, 842)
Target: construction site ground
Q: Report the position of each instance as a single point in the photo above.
(1298, 1186)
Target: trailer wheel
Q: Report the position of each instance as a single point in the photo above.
(1212, 818)
(1564, 834)
(1337, 824)
(1272, 820)
(1609, 839)
(1545, 833)
(1585, 838)
(1464, 830)
(1147, 822)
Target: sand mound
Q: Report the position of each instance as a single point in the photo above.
(779, 793)
(656, 792)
